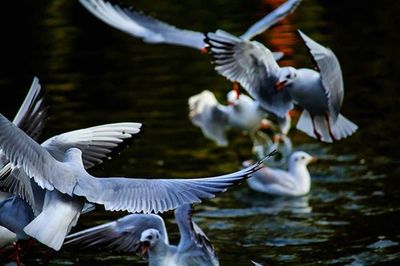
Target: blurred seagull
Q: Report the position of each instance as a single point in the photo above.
(147, 232)
(294, 182)
(68, 178)
(319, 93)
(214, 119)
(151, 30)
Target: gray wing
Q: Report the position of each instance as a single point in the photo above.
(155, 195)
(193, 239)
(253, 66)
(331, 74)
(140, 26)
(120, 235)
(271, 19)
(206, 113)
(31, 119)
(96, 143)
(32, 113)
(25, 153)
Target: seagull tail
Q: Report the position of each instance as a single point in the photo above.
(318, 127)
(52, 225)
(343, 127)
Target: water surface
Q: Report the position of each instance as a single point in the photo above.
(95, 74)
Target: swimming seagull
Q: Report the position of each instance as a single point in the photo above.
(294, 182)
(241, 113)
(151, 30)
(147, 232)
(319, 93)
(69, 178)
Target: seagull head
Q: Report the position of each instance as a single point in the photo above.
(232, 98)
(149, 239)
(302, 158)
(286, 77)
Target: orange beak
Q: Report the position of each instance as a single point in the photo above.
(204, 50)
(280, 85)
(229, 103)
(145, 248)
(314, 160)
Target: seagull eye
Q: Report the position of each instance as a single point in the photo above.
(302, 157)
(156, 236)
(150, 237)
(288, 76)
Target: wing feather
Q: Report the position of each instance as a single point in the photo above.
(330, 71)
(120, 235)
(253, 66)
(140, 26)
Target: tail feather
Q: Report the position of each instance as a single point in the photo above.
(55, 221)
(319, 128)
(343, 127)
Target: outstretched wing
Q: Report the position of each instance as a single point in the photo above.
(32, 113)
(271, 19)
(253, 66)
(330, 71)
(25, 153)
(192, 237)
(140, 26)
(96, 143)
(120, 235)
(155, 195)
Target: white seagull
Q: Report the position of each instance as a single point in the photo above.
(319, 93)
(55, 212)
(151, 30)
(30, 118)
(294, 182)
(147, 233)
(68, 178)
(241, 113)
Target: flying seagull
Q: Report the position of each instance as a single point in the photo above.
(151, 30)
(320, 93)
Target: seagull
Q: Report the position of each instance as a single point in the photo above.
(151, 30)
(55, 212)
(147, 232)
(241, 113)
(30, 118)
(319, 93)
(294, 182)
(72, 184)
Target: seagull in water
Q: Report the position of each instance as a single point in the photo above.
(151, 30)
(69, 182)
(294, 182)
(319, 93)
(241, 113)
(147, 233)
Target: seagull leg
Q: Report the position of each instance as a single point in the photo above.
(236, 89)
(329, 127)
(317, 135)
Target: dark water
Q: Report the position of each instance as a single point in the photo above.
(95, 75)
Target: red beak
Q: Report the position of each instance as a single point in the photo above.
(280, 85)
